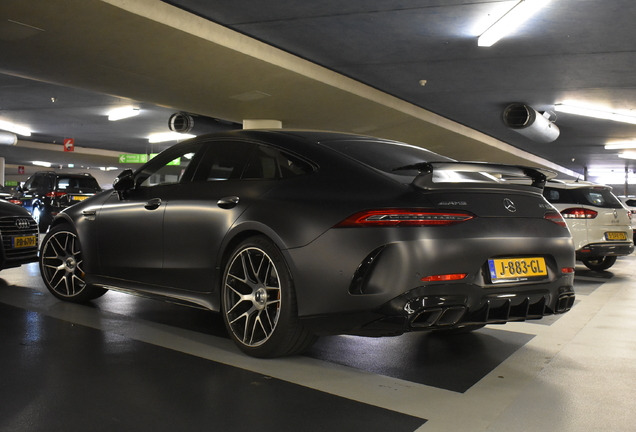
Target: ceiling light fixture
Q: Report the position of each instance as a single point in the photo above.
(619, 145)
(122, 113)
(520, 12)
(599, 113)
(627, 155)
(168, 136)
(12, 127)
(40, 163)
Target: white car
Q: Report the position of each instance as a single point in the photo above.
(600, 225)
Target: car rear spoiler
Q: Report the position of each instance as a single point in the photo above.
(499, 174)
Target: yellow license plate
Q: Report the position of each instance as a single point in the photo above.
(615, 236)
(79, 198)
(25, 241)
(506, 269)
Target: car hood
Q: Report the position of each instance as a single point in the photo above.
(10, 209)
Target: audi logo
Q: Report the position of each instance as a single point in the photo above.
(22, 223)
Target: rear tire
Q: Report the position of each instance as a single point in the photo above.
(62, 266)
(259, 302)
(599, 264)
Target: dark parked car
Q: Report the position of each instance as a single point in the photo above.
(292, 234)
(19, 234)
(47, 193)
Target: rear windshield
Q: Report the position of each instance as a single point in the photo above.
(386, 156)
(598, 197)
(86, 184)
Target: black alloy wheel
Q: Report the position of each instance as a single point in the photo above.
(61, 266)
(259, 302)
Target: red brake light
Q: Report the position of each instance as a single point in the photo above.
(15, 201)
(579, 213)
(555, 217)
(404, 217)
(55, 194)
(444, 277)
(567, 270)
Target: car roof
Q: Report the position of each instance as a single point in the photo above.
(576, 184)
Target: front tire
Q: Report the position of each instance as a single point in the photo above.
(259, 302)
(599, 264)
(62, 266)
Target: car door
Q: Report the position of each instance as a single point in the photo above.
(200, 215)
(130, 224)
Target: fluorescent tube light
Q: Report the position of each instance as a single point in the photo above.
(510, 21)
(12, 127)
(618, 145)
(568, 108)
(122, 113)
(627, 155)
(40, 163)
(168, 136)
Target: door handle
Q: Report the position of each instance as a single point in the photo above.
(228, 202)
(153, 204)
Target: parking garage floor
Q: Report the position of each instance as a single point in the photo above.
(125, 363)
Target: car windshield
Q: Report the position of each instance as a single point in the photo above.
(392, 158)
(598, 197)
(386, 156)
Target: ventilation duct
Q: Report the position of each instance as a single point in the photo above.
(196, 125)
(529, 122)
(8, 138)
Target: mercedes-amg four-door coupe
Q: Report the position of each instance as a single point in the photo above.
(295, 234)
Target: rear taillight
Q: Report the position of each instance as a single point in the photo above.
(404, 217)
(579, 213)
(15, 201)
(554, 216)
(444, 277)
(55, 194)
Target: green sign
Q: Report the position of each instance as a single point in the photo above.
(142, 158)
(10, 183)
(133, 158)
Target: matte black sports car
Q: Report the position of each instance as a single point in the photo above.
(293, 234)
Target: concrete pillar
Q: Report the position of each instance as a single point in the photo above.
(262, 124)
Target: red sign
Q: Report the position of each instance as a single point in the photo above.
(20, 169)
(69, 144)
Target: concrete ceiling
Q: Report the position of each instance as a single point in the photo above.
(352, 66)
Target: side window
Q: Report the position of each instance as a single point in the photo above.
(224, 160)
(29, 183)
(552, 195)
(168, 167)
(271, 163)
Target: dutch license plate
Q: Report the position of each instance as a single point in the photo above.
(615, 236)
(25, 241)
(79, 197)
(517, 268)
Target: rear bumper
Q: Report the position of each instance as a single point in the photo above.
(448, 306)
(605, 249)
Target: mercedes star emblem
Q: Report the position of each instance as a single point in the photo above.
(509, 205)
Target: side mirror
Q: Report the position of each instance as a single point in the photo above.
(124, 181)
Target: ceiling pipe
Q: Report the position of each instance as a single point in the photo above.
(197, 125)
(8, 138)
(529, 122)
